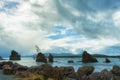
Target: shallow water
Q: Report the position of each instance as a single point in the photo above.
(64, 62)
(5, 77)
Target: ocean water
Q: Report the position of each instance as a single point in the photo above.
(77, 63)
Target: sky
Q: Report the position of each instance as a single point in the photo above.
(60, 26)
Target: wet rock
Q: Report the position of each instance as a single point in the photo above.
(7, 70)
(15, 55)
(41, 58)
(44, 69)
(116, 70)
(17, 67)
(70, 61)
(86, 70)
(63, 72)
(103, 75)
(86, 57)
(107, 60)
(5, 63)
(50, 58)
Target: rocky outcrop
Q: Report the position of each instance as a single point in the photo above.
(41, 58)
(50, 58)
(107, 60)
(60, 73)
(86, 57)
(14, 55)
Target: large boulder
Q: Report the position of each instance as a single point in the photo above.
(116, 70)
(86, 70)
(41, 58)
(103, 75)
(86, 57)
(50, 58)
(60, 73)
(14, 55)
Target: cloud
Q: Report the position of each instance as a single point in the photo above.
(68, 24)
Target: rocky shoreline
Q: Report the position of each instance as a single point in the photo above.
(48, 72)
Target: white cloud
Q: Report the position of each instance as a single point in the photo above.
(32, 22)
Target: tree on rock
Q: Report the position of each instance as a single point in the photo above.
(15, 55)
(50, 58)
(86, 57)
(41, 58)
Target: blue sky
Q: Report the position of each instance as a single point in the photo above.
(68, 26)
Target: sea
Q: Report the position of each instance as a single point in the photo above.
(100, 65)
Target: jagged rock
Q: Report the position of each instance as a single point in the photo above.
(86, 57)
(116, 70)
(70, 61)
(41, 58)
(50, 58)
(107, 60)
(86, 70)
(15, 55)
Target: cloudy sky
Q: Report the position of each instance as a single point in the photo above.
(60, 26)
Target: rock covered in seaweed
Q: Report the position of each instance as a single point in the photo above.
(86, 57)
(15, 55)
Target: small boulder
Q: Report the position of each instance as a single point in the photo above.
(50, 58)
(107, 60)
(70, 61)
(86, 57)
(41, 58)
(14, 55)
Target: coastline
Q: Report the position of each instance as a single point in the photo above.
(49, 72)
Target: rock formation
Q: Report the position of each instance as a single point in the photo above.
(107, 60)
(14, 55)
(1, 58)
(86, 57)
(50, 58)
(41, 58)
(59, 73)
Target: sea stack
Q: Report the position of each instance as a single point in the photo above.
(41, 58)
(14, 55)
(86, 57)
(50, 58)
